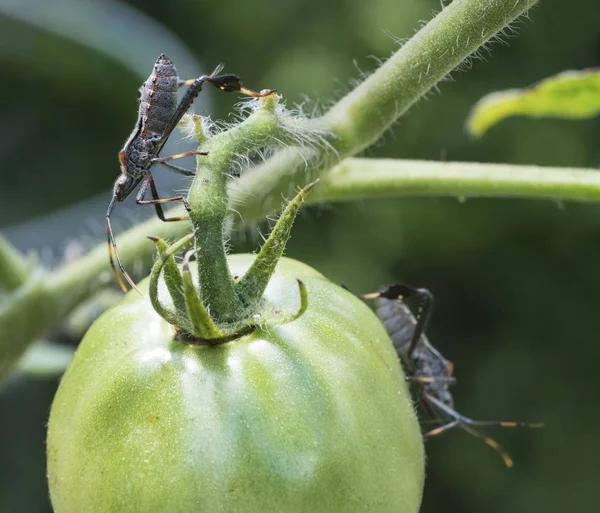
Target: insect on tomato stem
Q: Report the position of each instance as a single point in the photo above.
(158, 115)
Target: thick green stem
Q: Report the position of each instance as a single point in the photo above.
(355, 179)
(24, 317)
(209, 203)
(363, 116)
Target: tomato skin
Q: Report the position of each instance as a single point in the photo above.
(310, 416)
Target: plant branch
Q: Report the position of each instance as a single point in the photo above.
(355, 179)
(363, 116)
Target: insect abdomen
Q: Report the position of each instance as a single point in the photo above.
(158, 98)
(399, 323)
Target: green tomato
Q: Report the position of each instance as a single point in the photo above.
(310, 416)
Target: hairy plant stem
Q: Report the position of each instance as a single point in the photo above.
(208, 199)
(363, 116)
(358, 179)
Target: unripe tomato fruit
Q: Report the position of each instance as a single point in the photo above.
(313, 416)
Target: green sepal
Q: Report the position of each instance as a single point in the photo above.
(275, 317)
(171, 274)
(173, 317)
(253, 284)
(202, 325)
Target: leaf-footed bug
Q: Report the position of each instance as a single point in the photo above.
(425, 365)
(158, 115)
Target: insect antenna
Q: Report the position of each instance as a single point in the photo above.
(112, 246)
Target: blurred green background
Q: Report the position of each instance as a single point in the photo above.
(514, 280)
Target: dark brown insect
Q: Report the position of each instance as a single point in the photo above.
(425, 365)
(158, 116)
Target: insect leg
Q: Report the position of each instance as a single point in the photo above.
(466, 420)
(180, 170)
(439, 430)
(465, 424)
(157, 201)
(162, 160)
(233, 84)
(462, 422)
(228, 83)
(401, 291)
(430, 379)
(186, 101)
(189, 82)
(112, 246)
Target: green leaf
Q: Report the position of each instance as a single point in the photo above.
(568, 95)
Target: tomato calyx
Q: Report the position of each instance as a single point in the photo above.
(188, 313)
(190, 340)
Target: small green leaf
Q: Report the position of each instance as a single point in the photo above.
(569, 95)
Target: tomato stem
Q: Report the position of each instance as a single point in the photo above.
(234, 307)
(208, 200)
(209, 203)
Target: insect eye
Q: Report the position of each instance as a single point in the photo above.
(122, 184)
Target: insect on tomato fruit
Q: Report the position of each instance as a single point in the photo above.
(309, 416)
